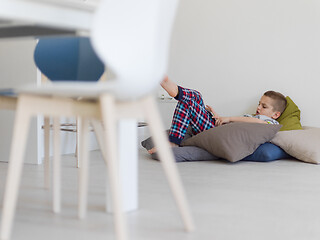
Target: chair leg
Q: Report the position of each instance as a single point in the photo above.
(46, 152)
(78, 135)
(83, 157)
(99, 132)
(167, 159)
(108, 114)
(21, 126)
(56, 166)
(98, 129)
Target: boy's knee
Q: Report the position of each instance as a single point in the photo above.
(188, 95)
(197, 95)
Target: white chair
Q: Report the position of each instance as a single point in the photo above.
(132, 38)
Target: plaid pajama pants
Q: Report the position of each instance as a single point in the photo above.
(189, 110)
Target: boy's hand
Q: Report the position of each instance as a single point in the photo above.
(222, 120)
(210, 109)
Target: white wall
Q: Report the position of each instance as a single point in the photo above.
(233, 51)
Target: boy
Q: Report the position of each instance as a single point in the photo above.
(191, 110)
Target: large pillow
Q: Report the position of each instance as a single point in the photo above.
(148, 143)
(290, 118)
(185, 154)
(301, 144)
(189, 154)
(267, 152)
(264, 153)
(233, 141)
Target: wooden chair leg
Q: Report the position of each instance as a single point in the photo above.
(98, 129)
(99, 132)
(46, 152)
(21, 127)
(167, 159)
(83, 157)
(56, 166)
(108, 114)
(78, 136)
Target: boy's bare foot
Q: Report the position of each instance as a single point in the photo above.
(154, 150)
(169, 86)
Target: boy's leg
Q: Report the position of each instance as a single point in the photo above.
(172, 90)
(189, 110)
(169, 86)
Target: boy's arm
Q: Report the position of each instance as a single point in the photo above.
(223, 120)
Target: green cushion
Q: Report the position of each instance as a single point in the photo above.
(290, 118)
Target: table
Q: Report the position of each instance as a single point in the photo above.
(37, 14)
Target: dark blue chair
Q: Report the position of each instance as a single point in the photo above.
(60, 59)
(66, 59)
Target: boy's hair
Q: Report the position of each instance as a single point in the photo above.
(280, 102)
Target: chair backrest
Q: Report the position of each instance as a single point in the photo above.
(132, 38)
(68, 59)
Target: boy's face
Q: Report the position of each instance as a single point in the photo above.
(265, 107)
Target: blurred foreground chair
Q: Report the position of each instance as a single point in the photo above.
(132, 38)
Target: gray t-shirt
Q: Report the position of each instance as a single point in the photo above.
(263, 118)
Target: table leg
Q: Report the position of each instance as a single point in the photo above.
(128, 164)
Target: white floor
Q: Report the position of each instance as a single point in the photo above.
(247, 200)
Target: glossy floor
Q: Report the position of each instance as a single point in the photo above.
(247, 200)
